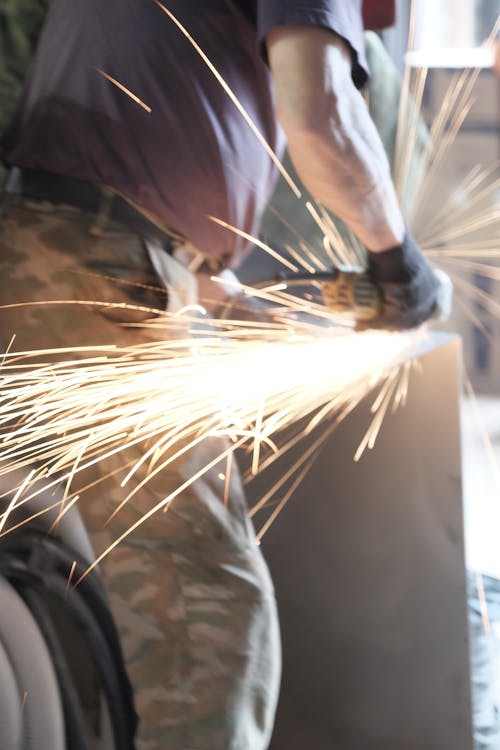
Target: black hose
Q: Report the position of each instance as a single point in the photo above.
(73, 716)
(90, 630)
(34, 561)
(40, 553)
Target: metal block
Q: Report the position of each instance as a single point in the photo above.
(368, 565)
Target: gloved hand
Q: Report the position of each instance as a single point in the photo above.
(411, 290)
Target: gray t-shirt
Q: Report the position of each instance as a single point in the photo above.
(190, 157)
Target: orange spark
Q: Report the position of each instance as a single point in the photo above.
(125, 90)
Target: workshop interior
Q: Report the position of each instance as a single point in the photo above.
(374, 491)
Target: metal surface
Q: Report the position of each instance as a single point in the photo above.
(368, 564)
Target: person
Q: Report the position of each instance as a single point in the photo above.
(483, 603)
(108, 198)
(20, 24)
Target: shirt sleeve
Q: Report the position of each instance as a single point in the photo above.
(344, 17)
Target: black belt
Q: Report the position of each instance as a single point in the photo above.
(100, 201)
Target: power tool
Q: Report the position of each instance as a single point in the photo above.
(345, 291)
(350, 293)
(351, 296)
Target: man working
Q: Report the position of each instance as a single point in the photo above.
(107, 198)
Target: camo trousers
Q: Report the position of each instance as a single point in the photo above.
(189, 589)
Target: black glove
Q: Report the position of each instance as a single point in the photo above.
(411, 290)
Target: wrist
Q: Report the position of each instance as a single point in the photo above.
(390, 235)
(397, 264)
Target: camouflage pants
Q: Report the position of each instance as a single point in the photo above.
(189, 590)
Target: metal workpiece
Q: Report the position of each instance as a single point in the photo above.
(368, 564)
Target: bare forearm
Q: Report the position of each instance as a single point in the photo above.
(331, 139)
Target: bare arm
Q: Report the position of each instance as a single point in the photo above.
(332, 140)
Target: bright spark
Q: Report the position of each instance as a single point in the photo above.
(71, 574)
(247, 383)
(125, 90)
(250, 382)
